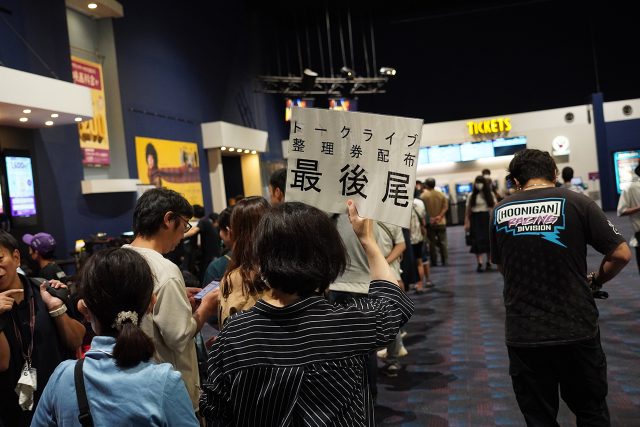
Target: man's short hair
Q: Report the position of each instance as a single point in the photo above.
(486, 172)
(8, 241)
(278, 180)
(567, 173)
(430, 183)
(300, 249)
(529, 164)
(198, 211)
(149, 212)
(224, 219)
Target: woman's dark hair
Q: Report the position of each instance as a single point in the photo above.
(151, 207)
(486, 192)
(198, 211)
(278, 179)
(151, 150)
(567, 173)
(244, 220)
(529, 164)
(8, 241)
(224, 220)
(300, 249)
(117, 280)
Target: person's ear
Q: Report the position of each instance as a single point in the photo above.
(84, 310)
(16, 256)
(168, 218)
(279, 195)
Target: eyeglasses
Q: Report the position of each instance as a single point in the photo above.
(187, 225)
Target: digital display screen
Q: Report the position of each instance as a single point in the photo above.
(1, 205)
(624, 163)
(295, 102)
(342, 104)
(465, 188)
(21, 187)
(509, 146)
(423, 156)
(444, 153)
(476, 150)
(443, 188)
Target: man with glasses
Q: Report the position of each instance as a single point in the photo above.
(160, 219)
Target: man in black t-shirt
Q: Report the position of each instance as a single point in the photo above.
(209, 245)
(41, 249)
(539, 239)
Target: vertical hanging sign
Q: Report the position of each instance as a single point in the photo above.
(339, 155)
(94, 138)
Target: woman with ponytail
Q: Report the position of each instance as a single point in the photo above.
(122, 386)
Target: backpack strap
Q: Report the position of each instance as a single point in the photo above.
(84, 418)
(386, 229)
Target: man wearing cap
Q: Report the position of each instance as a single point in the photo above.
(41, 248)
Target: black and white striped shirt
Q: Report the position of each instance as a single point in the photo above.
(301, 365)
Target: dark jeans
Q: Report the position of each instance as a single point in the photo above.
(580, 370)
(437, 235)
(338, 297)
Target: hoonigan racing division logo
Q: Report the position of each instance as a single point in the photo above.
(541, 217)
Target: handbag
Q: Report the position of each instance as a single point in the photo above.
(84, 417)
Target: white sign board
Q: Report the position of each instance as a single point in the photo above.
(338, 155)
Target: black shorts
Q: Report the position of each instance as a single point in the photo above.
(417, 250)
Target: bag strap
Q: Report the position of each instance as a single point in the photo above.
(84, 418)
(386, 229)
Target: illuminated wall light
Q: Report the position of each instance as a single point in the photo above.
(253, 152)
(246, 151)
(26, 111)
(223, 148)
(49, 123)
(92, 6)
(78, 119)
(54, 115)
(232, 149)
(23, 119)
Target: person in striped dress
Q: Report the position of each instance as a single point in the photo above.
(294, 358)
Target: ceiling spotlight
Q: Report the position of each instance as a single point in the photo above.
(247, 151)
(26, 111)
(232, 149)
(54, 115)
(23, 119)
(388, 71)
(308, 79)
(78, 119)
(254, 152)
(347, 73)
(92, 6)
(49, 123)
(223, 148)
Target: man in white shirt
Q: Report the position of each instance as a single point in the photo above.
(629, 205)
(160, 219)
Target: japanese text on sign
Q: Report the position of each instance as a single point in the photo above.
(370, 158)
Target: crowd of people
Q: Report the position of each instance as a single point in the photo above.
(307, 302)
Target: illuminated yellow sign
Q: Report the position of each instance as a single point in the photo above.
(503, 124)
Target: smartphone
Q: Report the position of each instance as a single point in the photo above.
(210, 287)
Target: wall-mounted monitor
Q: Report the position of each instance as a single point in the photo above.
(1, 202)
(444, 153)
(21, 186)
(476, 150)
(343, 104)
(423, 156)
(464, 188)
(296, 102)
(624, 164)
(509, 146)
(443, 189)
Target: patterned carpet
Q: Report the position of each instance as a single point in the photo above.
(456, 373)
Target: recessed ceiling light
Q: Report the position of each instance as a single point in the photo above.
(92, 6)
(246, 151)
(253, 152)
(54, 115)
(49, 123)
(223, 148)
(232, 149)
(78, 119)
(26, 111)
(23, 119)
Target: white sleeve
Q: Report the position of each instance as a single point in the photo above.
(622, 203)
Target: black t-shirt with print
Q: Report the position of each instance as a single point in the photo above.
(540, 238)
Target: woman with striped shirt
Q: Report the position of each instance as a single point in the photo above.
(293, 358)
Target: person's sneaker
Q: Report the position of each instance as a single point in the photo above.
(403, 334)
(403, 351)
(390, 370)
(488, 267)
(479, 269)
(382, 354)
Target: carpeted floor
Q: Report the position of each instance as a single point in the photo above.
(456, 373)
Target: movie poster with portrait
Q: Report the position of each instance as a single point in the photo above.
(170, 164)
(94, 137)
